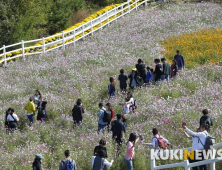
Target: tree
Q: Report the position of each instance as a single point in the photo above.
(9, 15)
(61, 13)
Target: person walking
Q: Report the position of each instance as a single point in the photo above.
(30, 108)
(110, 110)
(180, 60)
(141, 69)
(122, 80)
(118, 130)
(158, 70)
(99, 162)
(42, 114)
(67, 163)
(124, 119)
(12, 119)
(206, 119)
(166, 70)
(156, 141)
(101, 123)
(111, 87)
(37, 164)
(77, 113)
(101, 146)
(198, 146)
(134, 79)
(130, 151)
(174, 69)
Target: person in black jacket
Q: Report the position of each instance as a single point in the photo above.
(141, 69)
(101, 146)
(158, 70)
(42, 114)
(206, 119)
(122, 80)
(134, 79)
(36, 165)
(118, 129)
(77, 113)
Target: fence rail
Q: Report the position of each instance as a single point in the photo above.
(186, 164)
(60, 40)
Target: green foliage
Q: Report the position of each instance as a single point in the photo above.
(61, 12)
(8, 17)
(33, 19)
(107, 2)
(29, 19)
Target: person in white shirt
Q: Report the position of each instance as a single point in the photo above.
(12, 119)
(130, 103)
(126, 107)
(155, 142)
(199, 139)
(99, 162)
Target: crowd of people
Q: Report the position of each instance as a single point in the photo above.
(140, 75)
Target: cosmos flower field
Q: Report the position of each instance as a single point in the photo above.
(83, 72)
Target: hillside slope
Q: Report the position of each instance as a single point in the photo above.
(83, 72)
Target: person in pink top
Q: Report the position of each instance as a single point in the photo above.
(130, 153)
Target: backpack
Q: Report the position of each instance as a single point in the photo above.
(106, 116)
(68, 165)
(161, 142)
(141, 69)
(209, 142)
(207, 121)
(135, 104)
(101, 166)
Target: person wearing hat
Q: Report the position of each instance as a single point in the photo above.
(37, 162)
(141, 69)
(134, 79)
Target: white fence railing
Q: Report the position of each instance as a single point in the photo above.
(60, 40)
(186, 164)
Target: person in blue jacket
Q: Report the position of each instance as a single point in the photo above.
(111, 87)
(148, 76)
(180, 60)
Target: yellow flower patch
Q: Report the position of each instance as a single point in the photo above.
(198, 48)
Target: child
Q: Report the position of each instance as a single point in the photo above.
(126, 107)
(134, 80)
(111, 87)
(148, 76)
(122, 80)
